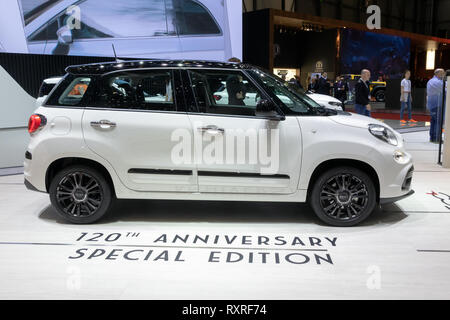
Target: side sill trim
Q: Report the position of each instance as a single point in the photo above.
(208, 173)
(161, 171)
(240, 175)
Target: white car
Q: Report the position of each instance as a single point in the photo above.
(139, 28)
(46, 87)
(325, 101)
(153, 130)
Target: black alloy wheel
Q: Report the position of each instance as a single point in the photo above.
(343, 197)
(80, 194)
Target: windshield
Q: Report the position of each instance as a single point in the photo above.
(300, 91)
(293, 98)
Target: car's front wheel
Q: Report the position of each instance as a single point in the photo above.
(80, 194)
(343, 197)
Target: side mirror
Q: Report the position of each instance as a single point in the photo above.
(267, 109)
(64, 35)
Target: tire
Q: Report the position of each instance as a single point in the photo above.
(380, 96)
(80, 194)
(336, 205)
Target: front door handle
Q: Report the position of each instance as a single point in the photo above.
(103, 124)
(214, 130)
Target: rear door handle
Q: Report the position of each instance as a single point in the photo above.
(212, 130)
(103, 124)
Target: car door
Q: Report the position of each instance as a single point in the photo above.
(135, 28)
(235, 150)
(130, 123)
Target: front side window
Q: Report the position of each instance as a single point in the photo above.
(224, 92)
(194, 19)
(293, 101)
(148, 90)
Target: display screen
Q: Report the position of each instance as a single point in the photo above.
(387, 57)
(171, 29)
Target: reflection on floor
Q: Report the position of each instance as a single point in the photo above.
(230, 250)
(406, 126)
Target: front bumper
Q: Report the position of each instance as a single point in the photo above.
(395, 199)
(405, 188)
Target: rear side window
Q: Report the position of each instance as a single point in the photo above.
(70, 91)
(194, 19)
(138, 90)
(73, 94)
(45, 89)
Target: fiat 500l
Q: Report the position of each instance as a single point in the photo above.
(154, 130)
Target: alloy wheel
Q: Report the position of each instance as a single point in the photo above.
(344, 197)
(79, 194)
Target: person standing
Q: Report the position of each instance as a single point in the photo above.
(296, 82)
(299, 82)
(340, 90)
(362, 94)
(434, 103)
(324, 85)
(316, 84)
(406, 97)
(309, 83)
(236, 90)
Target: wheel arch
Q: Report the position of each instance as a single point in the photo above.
(378, 88)
(62, 163)
(333, 163)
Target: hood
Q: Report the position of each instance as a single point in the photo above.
(359, 121)
(356, 120)
(317, 96)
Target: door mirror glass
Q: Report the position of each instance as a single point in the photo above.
(267, 109)
(64, 35)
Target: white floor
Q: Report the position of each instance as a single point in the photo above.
(403, 251)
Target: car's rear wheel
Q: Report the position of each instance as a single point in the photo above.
(80, 194)
(343, 196)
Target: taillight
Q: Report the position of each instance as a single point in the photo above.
(36, 122)
(217, 97)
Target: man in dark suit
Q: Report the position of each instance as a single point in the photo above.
(362, 94)
(236, 90)
(340, 90)
(324, 85)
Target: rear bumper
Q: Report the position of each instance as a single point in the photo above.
(395, 199)
(29, 186)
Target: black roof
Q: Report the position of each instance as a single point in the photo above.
(106, 67)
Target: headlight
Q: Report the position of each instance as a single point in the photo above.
(336, 104)
(383, 133)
